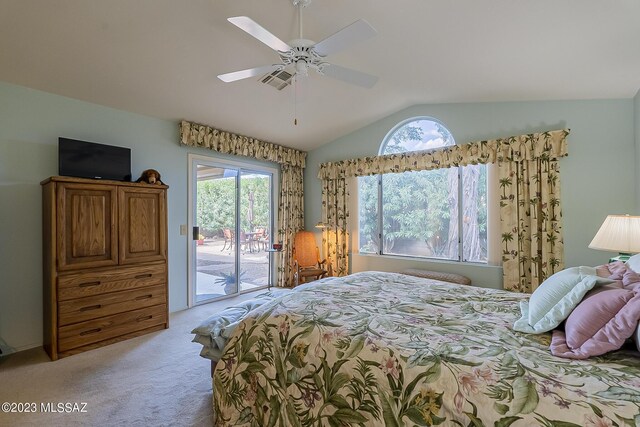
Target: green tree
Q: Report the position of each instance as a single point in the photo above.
(416, 207)
(216, 205)
(256, 186)
(368, 213)
(396, 144)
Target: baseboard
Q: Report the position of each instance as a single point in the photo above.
(7, 350)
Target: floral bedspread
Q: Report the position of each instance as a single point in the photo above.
(385, 349)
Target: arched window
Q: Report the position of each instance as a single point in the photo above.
(416, 134)
(439, 213)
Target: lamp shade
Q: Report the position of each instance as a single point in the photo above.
(618, 233)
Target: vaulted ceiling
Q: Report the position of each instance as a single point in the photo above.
(161, 57)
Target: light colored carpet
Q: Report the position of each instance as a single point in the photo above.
(155, 380)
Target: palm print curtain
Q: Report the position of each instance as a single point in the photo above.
(335, 197)
(530, 222)
(290, 219)
(292, 163)
(530, 160)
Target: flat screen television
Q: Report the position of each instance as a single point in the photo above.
(90, 160)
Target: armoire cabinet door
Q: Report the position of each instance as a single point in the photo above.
(143, 229)
(87, 232)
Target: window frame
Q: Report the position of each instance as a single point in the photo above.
(380, 211)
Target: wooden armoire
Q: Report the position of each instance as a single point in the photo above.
(105, 262)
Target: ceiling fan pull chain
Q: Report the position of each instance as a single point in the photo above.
(295, 100)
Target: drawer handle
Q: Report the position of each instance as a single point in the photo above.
(91, 307)
(91, 331)
(142, 276)
(87, 284)
(143, 318)
(141, 297)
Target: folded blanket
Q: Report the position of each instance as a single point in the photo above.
(214, 332)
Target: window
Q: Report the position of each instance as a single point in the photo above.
(438, 213)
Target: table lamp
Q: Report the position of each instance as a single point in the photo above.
(618, 233)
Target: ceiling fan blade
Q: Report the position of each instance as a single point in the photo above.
(350, 76)
(354, 33)
(245, 74)
(256, 30)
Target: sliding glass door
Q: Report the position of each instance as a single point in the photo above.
(232, 224)
(254, 228)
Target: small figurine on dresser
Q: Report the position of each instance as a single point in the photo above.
(150, 176)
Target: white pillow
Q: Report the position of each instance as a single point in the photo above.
(555, 298)
(634, 263)
(636, 336)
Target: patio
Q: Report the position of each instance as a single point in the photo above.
(214, 264)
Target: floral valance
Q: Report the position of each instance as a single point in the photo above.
(196, 135)
(546, 145)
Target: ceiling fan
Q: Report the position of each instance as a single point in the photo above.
(301, 54)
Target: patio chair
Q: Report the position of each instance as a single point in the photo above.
(265, 240)
(258, 238)
(228, 239)
(244, 242)
(306, 259)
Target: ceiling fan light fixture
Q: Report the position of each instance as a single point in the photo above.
(301, 68)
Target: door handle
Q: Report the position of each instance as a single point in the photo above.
(196, 233)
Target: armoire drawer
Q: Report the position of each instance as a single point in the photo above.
(99, 282)
(93, 307)
(93, 331)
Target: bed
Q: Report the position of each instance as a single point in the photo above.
(386, 349)
(214, 332)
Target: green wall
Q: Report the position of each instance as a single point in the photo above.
(597, 179)
(598, 176)
(30, 124)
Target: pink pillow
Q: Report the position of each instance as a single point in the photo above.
(631, 280)
(618, 270)
(601, 323)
